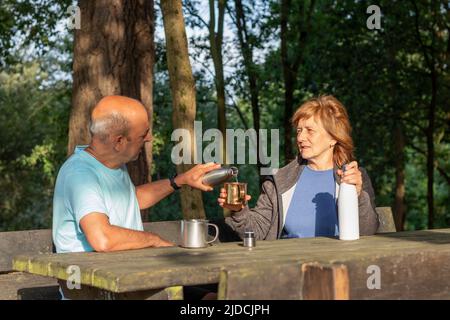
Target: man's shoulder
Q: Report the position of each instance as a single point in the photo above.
(76, 166)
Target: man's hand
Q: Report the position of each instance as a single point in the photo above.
(164, 243)
(151, 193)
(193, 177)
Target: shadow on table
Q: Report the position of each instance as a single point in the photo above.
(428, 236)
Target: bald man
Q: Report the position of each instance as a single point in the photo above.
(95, 206)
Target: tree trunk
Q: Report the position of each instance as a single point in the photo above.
(292, 64)
(113, 55)
(215, 41)
(398, 132)
(430, 148)
(247, 53)
(183, 95)
(288, 81)
(399, 204)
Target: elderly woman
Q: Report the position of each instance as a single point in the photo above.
(300, 199)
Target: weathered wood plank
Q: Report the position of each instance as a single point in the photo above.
(408, 275)
(91, 293)
(13, 243)
(269, 282)
(325, 282)
(25, 286)
(386, 219)
(155, 268)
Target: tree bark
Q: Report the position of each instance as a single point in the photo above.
(113, 55)
(429, 55)
(250, 70)
(292, 64)
(430, 148)
(399, 204)
(216, 41)
(183, 95)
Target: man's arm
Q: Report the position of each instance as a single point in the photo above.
(104, 237)
(151, 193)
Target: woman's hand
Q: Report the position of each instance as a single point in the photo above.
(352, 175)
(233, 207)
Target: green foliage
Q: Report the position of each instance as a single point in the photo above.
(29, 22)
(33, 127)
(381, 76)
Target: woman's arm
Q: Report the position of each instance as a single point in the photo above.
(368, 218)
(260, 219)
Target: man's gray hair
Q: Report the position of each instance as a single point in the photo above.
(112, 124)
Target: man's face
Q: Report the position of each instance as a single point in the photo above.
(138, 134)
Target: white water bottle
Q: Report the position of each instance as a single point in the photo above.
(348, 213)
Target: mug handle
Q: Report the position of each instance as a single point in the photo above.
(217, 232)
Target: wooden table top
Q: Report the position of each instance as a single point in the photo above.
(154, 268)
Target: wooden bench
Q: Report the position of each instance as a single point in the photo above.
(24, 286)
(386, 219)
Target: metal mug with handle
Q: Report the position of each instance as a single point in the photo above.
(236, 192)
(194, 233)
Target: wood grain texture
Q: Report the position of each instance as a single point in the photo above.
(165, 267)
(17, 242)
(386, 219)
(268, 282)
(25, 286)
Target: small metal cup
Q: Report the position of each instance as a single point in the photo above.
(236, 192)
(249, 239)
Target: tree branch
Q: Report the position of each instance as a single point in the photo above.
(436, 164)
(196, 15)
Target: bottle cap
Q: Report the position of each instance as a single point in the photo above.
(249, 234)
(249, 239)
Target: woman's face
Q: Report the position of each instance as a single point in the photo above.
(313, 140)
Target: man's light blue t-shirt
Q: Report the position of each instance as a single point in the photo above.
(85, 185)
(312, 211)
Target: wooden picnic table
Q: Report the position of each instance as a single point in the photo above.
(415, 262)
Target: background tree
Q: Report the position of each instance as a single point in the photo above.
(113, 55)
(400, 115)
(295, 28)
(183, 96)
(215, 27)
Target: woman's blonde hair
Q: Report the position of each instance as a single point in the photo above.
(334, 119)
